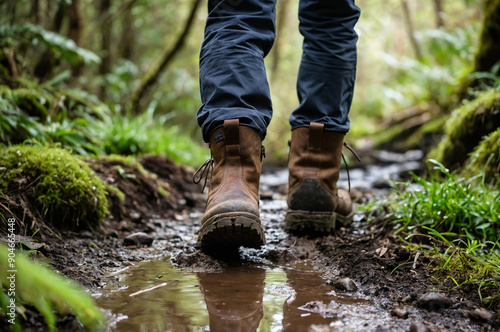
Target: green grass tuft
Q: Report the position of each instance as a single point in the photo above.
(456, 207)
(460, 217)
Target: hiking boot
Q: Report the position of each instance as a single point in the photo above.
(315, 204)
(231, 217)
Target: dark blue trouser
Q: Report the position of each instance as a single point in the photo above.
(233, 82)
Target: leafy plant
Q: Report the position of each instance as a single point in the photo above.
(35, 34)
(147, 133)
(47, 291)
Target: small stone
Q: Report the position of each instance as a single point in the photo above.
(190, 199)
(382, 184)
(482, 314)
(124, 226)
(135, 216)
(418, 327)
(407, 298)
(266, 195)
(399, 312)
(345, 284)
(86, 235)
(139, 239)
(433, 301)
(112, 233)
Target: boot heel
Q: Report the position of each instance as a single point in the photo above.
(299, 221)
(230, 230)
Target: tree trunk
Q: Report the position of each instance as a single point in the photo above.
(47, 61)
(75, 32)
(126, 45)
(411, 29)
(75, 21)
(152, 76)
(281, 23)
(35, 11)
(105, 24)
(438, 6)
(488, 53)
(12, 11)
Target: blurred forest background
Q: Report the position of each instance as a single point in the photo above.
(107, 76)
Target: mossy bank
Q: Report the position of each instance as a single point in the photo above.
(63, 189)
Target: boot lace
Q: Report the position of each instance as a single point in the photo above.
(204, 171)
(345, 162)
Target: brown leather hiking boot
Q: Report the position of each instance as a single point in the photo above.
(315, 204)
(231, 217)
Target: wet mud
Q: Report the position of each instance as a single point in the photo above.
(362, 278)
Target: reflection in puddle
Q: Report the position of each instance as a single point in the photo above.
(234, 298)
(155, 296)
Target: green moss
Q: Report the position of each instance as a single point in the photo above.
(47, 291)
(466, 127)
(128, 161)
(63, 186)
(486, 157)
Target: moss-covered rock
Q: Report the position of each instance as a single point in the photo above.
(32, 102)
(466, 127)
(486, 157)
(65, 189)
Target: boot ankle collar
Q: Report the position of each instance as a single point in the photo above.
(315, 135)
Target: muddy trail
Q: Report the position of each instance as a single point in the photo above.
(143, 269)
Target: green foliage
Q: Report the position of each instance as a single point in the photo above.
(460, 218)
(457, 207)
(147, 133)
(47, 291)
(64, 187)
(488, 80)
(81, 122)
(34, 34)
(447, 58)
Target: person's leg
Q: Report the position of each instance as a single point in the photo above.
(233, 81)
(327, 71)
(234, 117)
(325, 88)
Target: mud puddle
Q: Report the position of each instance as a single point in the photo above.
(156, 296)
(291, 283)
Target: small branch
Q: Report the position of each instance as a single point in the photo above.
(415, 260)
(411, 29)
(151, 78)
(12, 62)
(148, 289)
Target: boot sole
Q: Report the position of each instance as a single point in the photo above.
(229, 231)
(313, 222)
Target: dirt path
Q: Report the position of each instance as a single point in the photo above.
(144, 270)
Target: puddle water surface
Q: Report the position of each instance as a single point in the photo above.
(155, 296)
